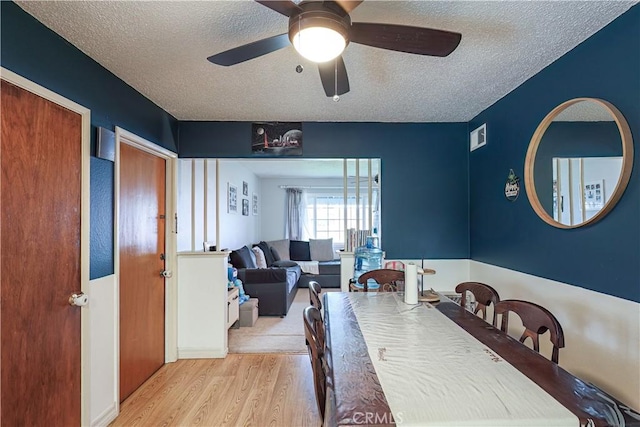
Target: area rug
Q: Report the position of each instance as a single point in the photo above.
(274, 334)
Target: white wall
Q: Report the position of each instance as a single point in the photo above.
(197, 188)
(104, 356)
(237, 230)
(274, 200)
(602, 333)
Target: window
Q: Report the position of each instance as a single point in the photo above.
(325, 216)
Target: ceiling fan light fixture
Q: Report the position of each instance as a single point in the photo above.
(319, 44)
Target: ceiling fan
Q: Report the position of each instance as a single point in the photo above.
(321, 30)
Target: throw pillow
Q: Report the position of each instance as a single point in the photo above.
(241, 258)
(268, 257)
(282, 247)
(276, 255)
(321, 249)
(299, 250)
(261, 262)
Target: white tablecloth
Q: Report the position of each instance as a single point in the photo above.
(434, 373)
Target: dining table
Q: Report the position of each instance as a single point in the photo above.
(436, 364)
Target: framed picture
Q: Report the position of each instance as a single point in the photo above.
(245, 188)
(594, 195)
(276, 139)
(232, 198)
(254, 205)
(245, 207)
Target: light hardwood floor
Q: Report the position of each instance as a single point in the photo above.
(240, 390)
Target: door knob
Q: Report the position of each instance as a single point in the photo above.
(167, 274)
(78, 299)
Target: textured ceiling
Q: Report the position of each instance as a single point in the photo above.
(160, 49)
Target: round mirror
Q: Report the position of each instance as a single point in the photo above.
(578, 163)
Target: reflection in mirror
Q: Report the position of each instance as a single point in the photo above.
(579, 171)
(582, 186)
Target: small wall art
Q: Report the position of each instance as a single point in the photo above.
(275, 139)
(245, 207)
(254, 205)
(245, 188)
(594, 195)
(232, 198)
(512, 186)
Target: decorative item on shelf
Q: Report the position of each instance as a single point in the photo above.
(512, 187)
(209, 246)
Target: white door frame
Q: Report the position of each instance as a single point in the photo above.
(85, 320)
(171, 301)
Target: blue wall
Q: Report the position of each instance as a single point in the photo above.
(424, 174)
(439, 202)
(30, 49)
(604, 256)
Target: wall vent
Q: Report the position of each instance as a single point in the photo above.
(478, 137)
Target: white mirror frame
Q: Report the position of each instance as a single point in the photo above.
(623, 180)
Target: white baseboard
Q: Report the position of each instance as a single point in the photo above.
(201, 353)
(106, 417)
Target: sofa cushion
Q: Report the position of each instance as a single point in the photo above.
(267, 253)
(321, 249)
(299, 250)
(282, 247)
(261, 262)
(276, 255)
(329, 267)
(241, 258)
(285, 264)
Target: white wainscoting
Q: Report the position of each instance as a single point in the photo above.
(602, 333)
(449, 272)
(104, 357)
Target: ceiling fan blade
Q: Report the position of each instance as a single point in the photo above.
(286, 7)
(346, 5)
(328, 71)
(403, 38)
(250, 51)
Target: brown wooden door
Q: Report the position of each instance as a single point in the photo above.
(40, 156)
(141, 236)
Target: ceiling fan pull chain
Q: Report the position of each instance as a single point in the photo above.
(335, 81)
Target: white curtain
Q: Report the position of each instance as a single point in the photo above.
(295, 215)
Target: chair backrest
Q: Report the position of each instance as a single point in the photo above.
(314, 295)
(536, 320)
(314, 333)
(386, 278)
(484, 295)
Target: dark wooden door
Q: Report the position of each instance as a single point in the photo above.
(41, 157)
(141, 236)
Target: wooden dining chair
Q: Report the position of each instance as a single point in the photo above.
(315, 290)
(314, 333)
(484, 296)
(387, 280)
(536, 320)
